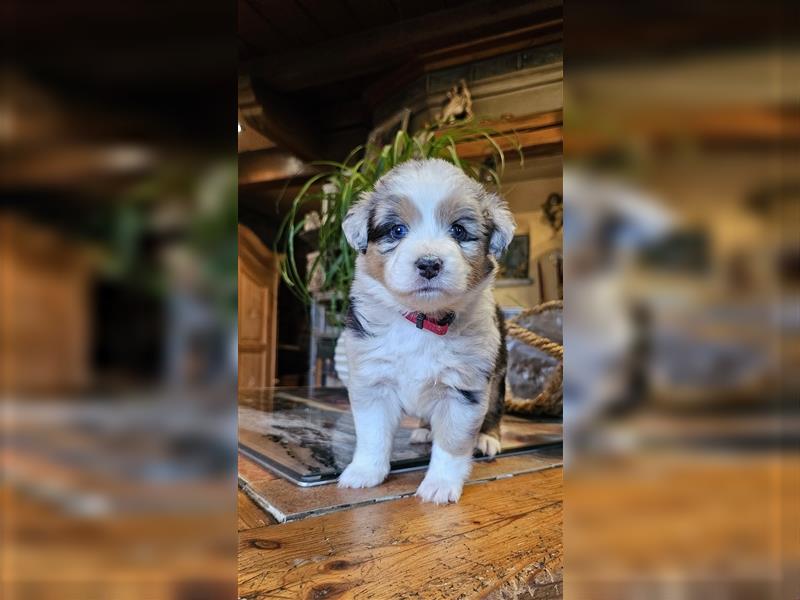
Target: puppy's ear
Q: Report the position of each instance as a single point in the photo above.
(356, 223)
(501, 224)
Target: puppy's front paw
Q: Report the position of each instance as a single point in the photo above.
(439, 490)
(360, 476)
(421, 436)
(487, 445)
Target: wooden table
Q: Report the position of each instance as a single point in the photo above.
(503, 539)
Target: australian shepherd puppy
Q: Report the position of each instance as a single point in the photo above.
(423, 333)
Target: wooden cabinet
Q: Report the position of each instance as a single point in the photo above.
(45, 329)
(258, 295)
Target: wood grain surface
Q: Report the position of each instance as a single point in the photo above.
(249, 514)
(502, 537)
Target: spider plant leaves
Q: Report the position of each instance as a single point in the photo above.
(352, 177)
(451, 147)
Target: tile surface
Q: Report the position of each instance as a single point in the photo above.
(307, 434)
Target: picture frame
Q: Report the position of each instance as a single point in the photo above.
(515, 263)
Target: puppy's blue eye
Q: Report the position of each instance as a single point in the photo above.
(398, 232)
(458, 232)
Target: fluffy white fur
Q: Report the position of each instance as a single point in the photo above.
(396, 368)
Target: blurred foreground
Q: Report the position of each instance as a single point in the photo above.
(681, 322)
(117, 301)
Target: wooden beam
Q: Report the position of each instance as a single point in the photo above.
(275, 166)
(267, 166)
(70, 164)
(731, 126)
(274, 117)
(526, 133)
(475, 49)
(377, 49)
(524, 141)
(525, 123)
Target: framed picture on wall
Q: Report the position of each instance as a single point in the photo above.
(515, 263)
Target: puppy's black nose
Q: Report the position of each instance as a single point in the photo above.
(429, 266)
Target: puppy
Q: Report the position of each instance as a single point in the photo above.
(423, 334)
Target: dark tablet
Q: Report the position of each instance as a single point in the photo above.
(307, 435)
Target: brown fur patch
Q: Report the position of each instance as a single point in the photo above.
(374, 263)
(453, 208)
(399, 206)
(480, 266)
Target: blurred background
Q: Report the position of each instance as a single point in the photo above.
(118, 316)
(118, 299)
(681, 191)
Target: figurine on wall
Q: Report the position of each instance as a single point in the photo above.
(458, 106)
(553, 210)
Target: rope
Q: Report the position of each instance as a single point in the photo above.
(540, 308)
(534, 339)
(549, 400)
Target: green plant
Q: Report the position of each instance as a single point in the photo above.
(356, 174)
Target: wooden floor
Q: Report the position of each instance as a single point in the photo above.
(503, 539)
(51, 554)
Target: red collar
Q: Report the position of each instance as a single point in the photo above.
(422, 321)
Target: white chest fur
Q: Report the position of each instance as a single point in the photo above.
(420, 365)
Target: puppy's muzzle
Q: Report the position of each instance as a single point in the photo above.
(429, 266)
